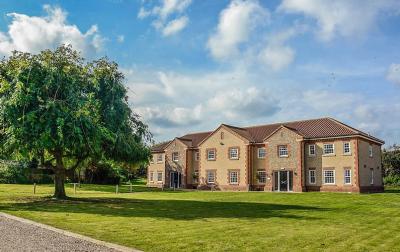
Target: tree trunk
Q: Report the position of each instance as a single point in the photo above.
(59, 178)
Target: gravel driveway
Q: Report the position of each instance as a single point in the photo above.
(22, 235)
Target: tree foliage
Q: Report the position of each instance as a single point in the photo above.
(391, 161)
(58, 108)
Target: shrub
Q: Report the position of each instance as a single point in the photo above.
(393, 180)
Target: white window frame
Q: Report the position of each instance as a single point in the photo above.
(324, 177)
(312, 176)
(197, 156)
(208, 154)
(158, 176)
(344, 148)
(175, 156)
(370, 151)
(159, 158)
(234, 151)
(347, 176)
(285, 150)
(261, 153)
(236, 173)
(309, 150)
(208, 177)
(333, 149)
(372, 176)
(259, 176)
(151, 177)
(196, 180)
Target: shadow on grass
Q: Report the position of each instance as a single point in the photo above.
(171, 209)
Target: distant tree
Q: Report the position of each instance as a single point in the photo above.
(391, 161)
(59, 109)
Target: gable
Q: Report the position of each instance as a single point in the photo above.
(175, 144)
(284, 133)
(215, 136)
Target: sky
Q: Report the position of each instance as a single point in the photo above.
(191, 65)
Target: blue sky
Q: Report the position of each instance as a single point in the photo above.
(193, 64)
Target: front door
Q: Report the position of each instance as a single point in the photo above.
(283, 181)
(175, 180)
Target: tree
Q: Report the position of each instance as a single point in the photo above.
(59, 109)
(391, 161)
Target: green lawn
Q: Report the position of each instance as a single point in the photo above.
(153, 220)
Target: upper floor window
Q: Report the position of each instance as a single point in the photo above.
(329, 177)
(233, 177)
(234, 153)
(210, 177)
(311, 150)
(283, 151)
(262, 177)
(347, 176)
(370, 150)
(159, 176)
(159, 158)
(262, 152)
(311, 176)
(175, 156)
(211, 154)
(329, 149)
(346, 148)
(197, 156)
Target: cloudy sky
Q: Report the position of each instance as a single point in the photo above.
(191, 65)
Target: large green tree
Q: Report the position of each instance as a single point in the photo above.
(61, 110)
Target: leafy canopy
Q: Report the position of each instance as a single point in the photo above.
(55, 103)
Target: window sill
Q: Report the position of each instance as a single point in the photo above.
(329, 184)
(329, 155)
(234, 159)
(346, 154)
(261, 157)
(211, 159)
(311, 156)
(283, 156)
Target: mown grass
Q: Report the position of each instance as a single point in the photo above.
(153, 220)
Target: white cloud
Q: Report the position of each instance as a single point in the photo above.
(236, 22)
(346, 18)
(175, 26)
(121, 38)
(170, 116)
(33, 34)
(276, 55)
(243, 103)
(163, 12)
(393, 73)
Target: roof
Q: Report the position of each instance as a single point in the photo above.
(309, 129)
(160, 146)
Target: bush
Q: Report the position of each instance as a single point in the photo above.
(14, 172)
(393, 180)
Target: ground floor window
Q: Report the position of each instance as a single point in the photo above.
(347, 176)
(159, 176)
(151, 176)
(261, 177)
(233, 177)
(196, 177)
(372, 176)
(329, 177)
(210, 177)
(311, 177)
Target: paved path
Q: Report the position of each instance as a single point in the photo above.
(18, 234)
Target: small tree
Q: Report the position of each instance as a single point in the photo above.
(62, 111)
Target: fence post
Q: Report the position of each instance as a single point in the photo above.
(116, 189)
(34, 188)
(74, 188)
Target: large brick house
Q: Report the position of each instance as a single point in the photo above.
(311, 155)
